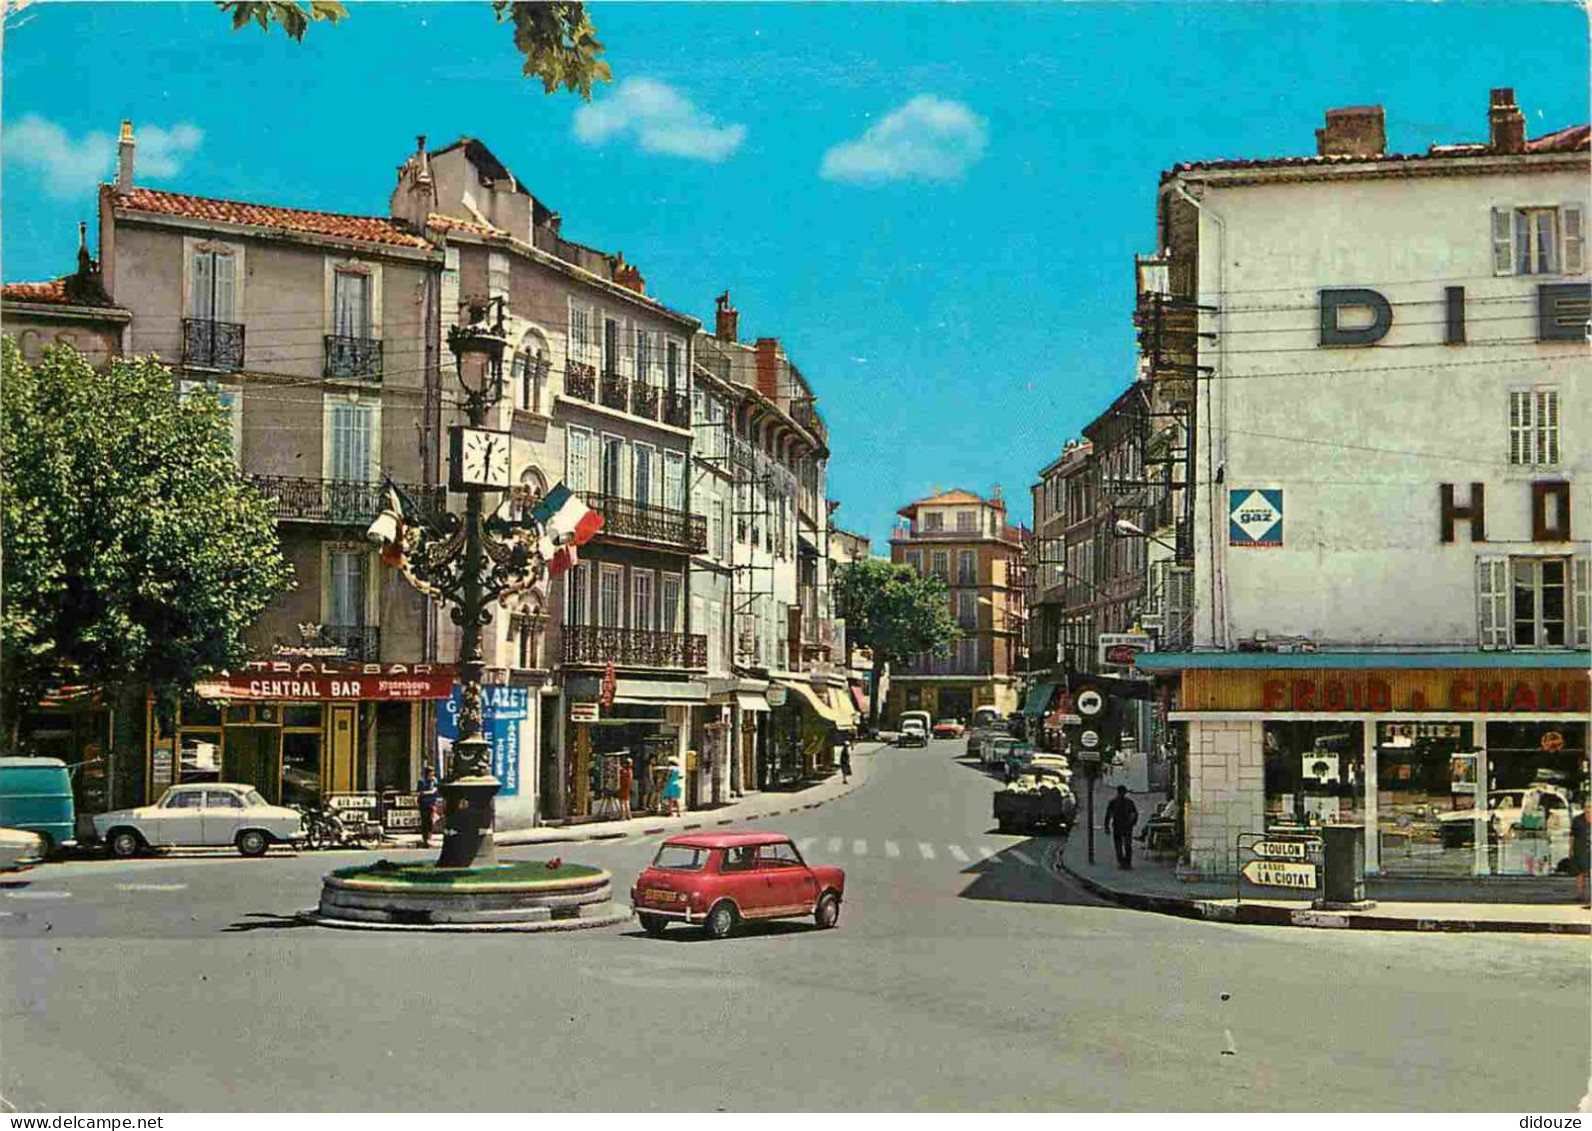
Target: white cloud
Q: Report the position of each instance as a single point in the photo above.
(70, 166)
(929, 138)
(660, 118)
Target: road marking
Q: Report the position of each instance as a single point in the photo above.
(834, 845)
(985, 851)
(927, 850)
(804, 844)
(1024, 857)
(150, 887)
(956, 851)
(38, 895)
(859, 847)
(892, 849)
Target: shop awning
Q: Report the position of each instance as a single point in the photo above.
(813, 701)
(658, 693)
(1038, 698)
(845, 713)
(746, 701)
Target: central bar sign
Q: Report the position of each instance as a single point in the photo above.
(314, 682)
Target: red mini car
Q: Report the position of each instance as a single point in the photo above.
(720, 879)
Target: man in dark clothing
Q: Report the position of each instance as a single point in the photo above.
(1581, 849)
(1121, 816)
(845, 758)
(426, 798)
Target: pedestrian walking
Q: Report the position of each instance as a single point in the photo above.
(845, 758)
(1121, 816)
(1581, 850)
(426, 798)
(673, 788)
(626, 782)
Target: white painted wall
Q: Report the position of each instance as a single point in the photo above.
(1359, 438)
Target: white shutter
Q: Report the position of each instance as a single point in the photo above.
(1503, 241)
(1520, 401)
(1492, 601)
(579, 459)
(1571, 226)
(1582, 567)
(203, 293)
(450, 287)
(1547, 427)
(226, 288)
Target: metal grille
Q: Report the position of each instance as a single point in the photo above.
(580, 381)
(632, 647)
(297, 499)
(358, 642)
(644, 401)
(615, 392)
(218, 345)
(643, 522)
(357, 359)
(677, 410)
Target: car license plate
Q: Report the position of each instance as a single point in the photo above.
(658, 895)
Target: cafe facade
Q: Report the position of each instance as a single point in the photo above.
(1405, 744)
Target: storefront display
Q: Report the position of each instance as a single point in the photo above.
(1314, 774)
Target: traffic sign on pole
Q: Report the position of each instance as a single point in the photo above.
(1281, 874)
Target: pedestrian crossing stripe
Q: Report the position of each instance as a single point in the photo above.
(892, 849)
(834, 845)
(805, 844)
(1023, 856)
(956, 851)
(985, 851)
(927, 850)
(860, 847)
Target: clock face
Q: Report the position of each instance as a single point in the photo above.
(481, 458)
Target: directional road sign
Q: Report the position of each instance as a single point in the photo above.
(1283, 849)
(1280, 874)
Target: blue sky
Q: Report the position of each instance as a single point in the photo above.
(934, 207)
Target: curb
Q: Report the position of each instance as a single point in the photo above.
(312, 917)
(1259, 915)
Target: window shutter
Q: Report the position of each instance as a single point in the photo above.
(1519, 427)
(226, 303)
(201, 300)
(1572, 227)
(1548, 426)
(1492, 601)
(1583, 605)
(1503, 237)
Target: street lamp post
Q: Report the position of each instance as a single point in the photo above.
(467, 565)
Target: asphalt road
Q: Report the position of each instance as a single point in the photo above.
(964, 976)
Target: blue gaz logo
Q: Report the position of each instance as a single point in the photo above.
(1254, 516)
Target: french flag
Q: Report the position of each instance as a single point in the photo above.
(566, 523)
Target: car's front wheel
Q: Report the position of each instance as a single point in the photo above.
(827, 913)
(720, 921)
(252, 842)
(124, 843)
(654, 925)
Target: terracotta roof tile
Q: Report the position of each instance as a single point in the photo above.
(365, 229)
(1569, 140)
(456, 224)
(52, 292)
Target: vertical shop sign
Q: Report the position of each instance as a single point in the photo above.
(504, 712)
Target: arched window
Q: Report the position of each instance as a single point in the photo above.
(527, 627)
(532, 486)
(529, 373)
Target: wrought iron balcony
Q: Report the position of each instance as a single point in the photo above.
(334, 501)
(615, 392)
(633, 647)
(358, 642)
(580, 380)
(643, 522)
(215, 345)
(644, 400)
(677, 409)
(355, 359)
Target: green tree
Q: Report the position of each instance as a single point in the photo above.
(135, 555)
(558, 39)
(891, 610)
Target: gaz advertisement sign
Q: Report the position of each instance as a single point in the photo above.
(1254, 516)
(504, 712)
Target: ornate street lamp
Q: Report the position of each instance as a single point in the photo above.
(468, 564)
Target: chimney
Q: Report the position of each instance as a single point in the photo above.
(628, 275)
(1506, 125)
(767, 364)
(85, 262)
(1353, 131)
(414, 197)
(124, 162)
(727, 323)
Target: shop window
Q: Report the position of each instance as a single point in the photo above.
(1539, 601)
(301, 770)
(1426, 797)
(1314, 773)
(299, 715)
(1536, 782)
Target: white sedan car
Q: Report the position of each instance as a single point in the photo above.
(207, 814)
(19, 849)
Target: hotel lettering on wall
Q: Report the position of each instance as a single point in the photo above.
(1550, 510)
(1488, 692)
(1563, 310)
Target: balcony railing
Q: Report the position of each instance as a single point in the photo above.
(677, 409)
(215, 345)
(353, 359)
(633, 647)
(615, 392)
(359, 642)
(580, 380)
(298, 499)
(643, 522)
(644, 400)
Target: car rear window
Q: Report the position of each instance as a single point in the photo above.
(681, 858)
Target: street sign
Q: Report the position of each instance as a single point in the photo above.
(1281, 874)
(1090, 703)
(1089, 740)
(583, 711)
(1282, 849)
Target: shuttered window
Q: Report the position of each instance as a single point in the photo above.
(669, 603)
(610, 581)
(1583, 605)
(577, 465)
(346, 596)
(1538, 240)
(351, 304)
(214, 286)
(578, 583)
(351, 435)
(1492, 601)
(674, 480)
(641, 615)
(450, 287)
(497, 275)
(1533, 427)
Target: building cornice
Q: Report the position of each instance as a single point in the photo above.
(138, 218)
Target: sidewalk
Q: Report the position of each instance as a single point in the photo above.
(753, 807)
(1400, 904)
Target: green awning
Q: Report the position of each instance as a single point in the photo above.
(1037, 702)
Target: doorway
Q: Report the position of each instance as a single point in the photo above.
(250, 754)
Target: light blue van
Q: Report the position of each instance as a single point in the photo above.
(36, 795)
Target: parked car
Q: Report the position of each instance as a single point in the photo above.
(1038, 800)
(996, 749)
(975, 741)
(1507, 810)
(719, 880)
(948, 728)
(20, 849)
(986, 716)
(207, 814)
(913, 733)
(36, 795)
